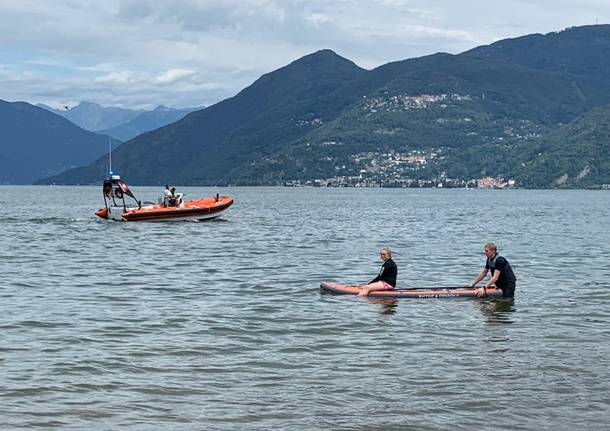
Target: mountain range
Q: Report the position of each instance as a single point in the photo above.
(95, 117)
(120, 123)
(146, 121)
(36, 143)
(519, 108)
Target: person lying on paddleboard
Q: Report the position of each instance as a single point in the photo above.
(501, 273)
(386, 279)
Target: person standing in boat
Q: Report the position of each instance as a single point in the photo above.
(501, 273)
(386, 279)
(167, 194)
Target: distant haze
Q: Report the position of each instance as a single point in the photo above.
(144, 53)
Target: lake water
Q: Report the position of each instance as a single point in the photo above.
(221, 325)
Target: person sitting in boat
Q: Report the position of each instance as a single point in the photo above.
(386, 279)
(502, 274)
(173, 199)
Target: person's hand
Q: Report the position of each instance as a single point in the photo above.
(481, 292)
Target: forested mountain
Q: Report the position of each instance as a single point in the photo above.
(576, 155)
(463, 116)
(576, 51)
(36, 143)
(202, 147)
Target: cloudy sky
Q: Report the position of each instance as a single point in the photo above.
(142, 53)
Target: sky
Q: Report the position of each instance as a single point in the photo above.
(186, 53)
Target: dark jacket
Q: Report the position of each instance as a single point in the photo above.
(387, 273)
(507, 277)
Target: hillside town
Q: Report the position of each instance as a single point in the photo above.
(398, 170)
(404, 102)
(441, 182)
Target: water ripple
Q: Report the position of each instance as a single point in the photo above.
(222, 325)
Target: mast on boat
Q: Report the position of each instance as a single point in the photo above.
(110, 157)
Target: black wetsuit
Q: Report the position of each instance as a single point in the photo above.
(387, 273)
(507, 280)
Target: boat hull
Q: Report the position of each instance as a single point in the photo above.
(201, 209)
(458, 292)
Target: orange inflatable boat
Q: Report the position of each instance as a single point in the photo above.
(422, 293)
(115, 207)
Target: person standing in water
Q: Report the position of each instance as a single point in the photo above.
(501, 273)
(386, 279)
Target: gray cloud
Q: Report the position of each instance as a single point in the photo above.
(192, 52)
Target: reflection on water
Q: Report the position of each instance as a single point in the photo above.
(388, 305)
(498, 310)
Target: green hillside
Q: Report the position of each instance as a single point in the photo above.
(576, 155)
(443, 103)
(480, 113)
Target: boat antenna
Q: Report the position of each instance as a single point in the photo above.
(109, 157)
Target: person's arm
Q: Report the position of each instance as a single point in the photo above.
(480, 277)
(493, 280)
(378, 278)
(480, 291)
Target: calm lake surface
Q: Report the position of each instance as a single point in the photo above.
(221, 325)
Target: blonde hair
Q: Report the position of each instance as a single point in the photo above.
(388, 251)
(491, 246)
